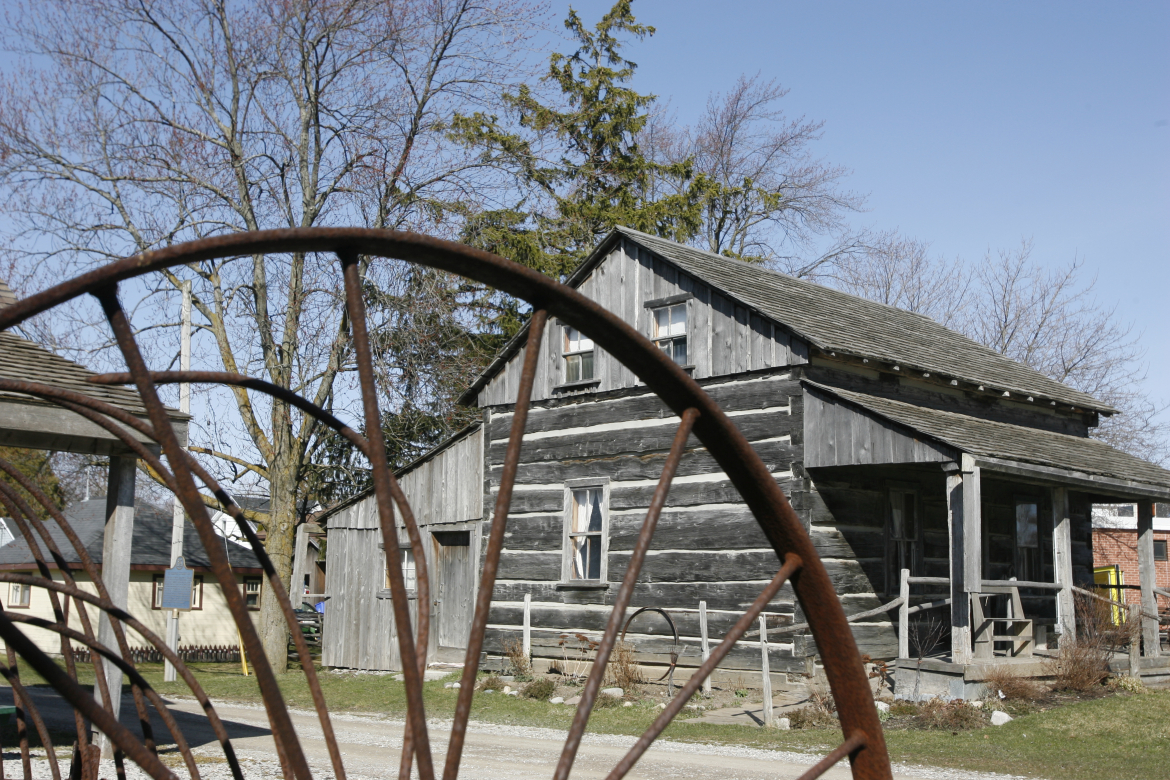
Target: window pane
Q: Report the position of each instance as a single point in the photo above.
(678, 319)
(1159, 549)
(158, 591)
(661, 322)
(573, 368)
(408, 570)
(577, 567)
(580, 512)
(680, 351)
(595, 511)
(571, 339)
(594, 557)
(1027, 527)
(586, 365)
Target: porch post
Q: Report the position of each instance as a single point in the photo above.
(957, 489)
(116, 572)
(1147, 576)
(1066, 619)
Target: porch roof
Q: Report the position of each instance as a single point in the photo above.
(1019, 449)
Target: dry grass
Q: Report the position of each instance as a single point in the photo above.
(521, 664)
(491, 683)
(1003, 682)
(1084, 662)
(541, 688)
(957, 715)
(622, 670)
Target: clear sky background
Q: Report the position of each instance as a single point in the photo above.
(969, 125)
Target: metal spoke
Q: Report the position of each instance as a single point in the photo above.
(699, 415)
(792, 564)
(380, 470)
(80, 699)
(287, 744)
(846, 748)
(617, 614)
(487, 582)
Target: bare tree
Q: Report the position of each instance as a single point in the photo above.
(1049, 319)
(1045, 317)
(129, 126)
(766, 196)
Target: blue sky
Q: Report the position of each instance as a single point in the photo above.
(970, 126)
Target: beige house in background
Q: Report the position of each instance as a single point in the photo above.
(207, 624)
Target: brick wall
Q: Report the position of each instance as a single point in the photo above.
(1118, 547)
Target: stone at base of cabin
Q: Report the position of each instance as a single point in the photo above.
(976, 704)
(557, 700)
(661, 706)
(998, 718)
(574, 700)
(616, 692)
(784, 724)
(881, 706)
(507, 689)
(627, 704)
(512, 693)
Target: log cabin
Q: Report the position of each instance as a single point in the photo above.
(910, 452)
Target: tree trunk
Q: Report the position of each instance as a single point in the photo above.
(279, 545)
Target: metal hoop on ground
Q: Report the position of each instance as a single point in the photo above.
(798, 561)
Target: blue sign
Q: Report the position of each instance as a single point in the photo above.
(178, 586)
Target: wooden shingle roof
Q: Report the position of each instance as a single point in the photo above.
(1013, 442)
(23, 359)
(834, 321)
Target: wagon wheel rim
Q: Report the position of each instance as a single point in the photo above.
(864, 744)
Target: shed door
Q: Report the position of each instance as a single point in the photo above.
(454, 603)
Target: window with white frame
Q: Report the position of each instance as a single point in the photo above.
(20, 595)
(252, 587)
(578, 356)
(586, 529)
(670, 331)
(409, 573)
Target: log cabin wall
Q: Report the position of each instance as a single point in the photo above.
(708, 545)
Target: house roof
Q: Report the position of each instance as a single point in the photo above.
(23, 359)
(992, 439)
(150, 547)
(833, 321)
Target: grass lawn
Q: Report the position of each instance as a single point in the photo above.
(1123, 737)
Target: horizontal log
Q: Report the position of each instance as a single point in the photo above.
(552, 499)
(777, 455)
(730, 396)
(635, 440)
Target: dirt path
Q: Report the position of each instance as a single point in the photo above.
(370, 746)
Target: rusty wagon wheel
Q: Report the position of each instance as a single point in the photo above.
(797, 561)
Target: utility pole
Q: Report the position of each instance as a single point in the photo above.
(178, 517)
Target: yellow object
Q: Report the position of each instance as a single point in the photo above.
(243, 658)
(1108, 577)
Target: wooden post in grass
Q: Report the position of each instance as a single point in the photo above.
(1134, 624)
(766, 671)
(527, 625)
(706, 646)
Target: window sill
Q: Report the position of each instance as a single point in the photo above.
(386, 593)
(582, 585)
(576, 385)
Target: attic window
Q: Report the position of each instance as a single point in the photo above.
(578, 355)
(670, 331)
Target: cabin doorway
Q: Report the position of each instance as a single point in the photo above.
(454, 603)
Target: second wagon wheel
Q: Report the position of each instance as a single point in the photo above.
(796, 560)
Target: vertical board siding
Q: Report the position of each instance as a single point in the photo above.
(359, 630)
(836, 434)
(723, 338)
